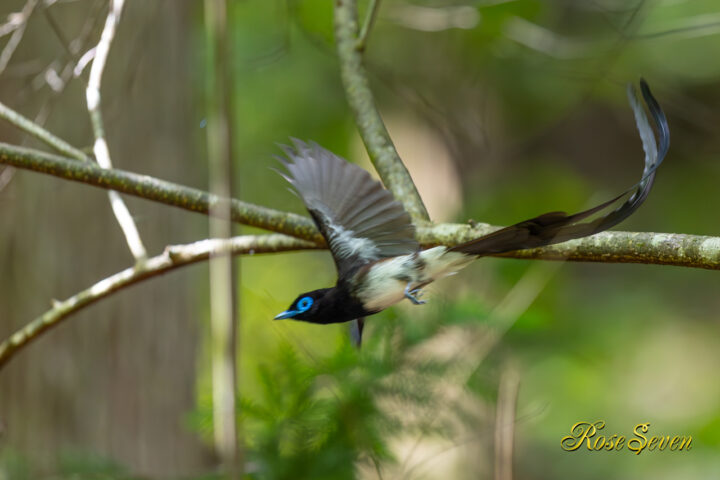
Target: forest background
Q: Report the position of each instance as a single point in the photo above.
(501, 110)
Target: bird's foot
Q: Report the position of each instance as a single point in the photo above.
(413, 295)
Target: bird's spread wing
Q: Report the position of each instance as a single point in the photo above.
(360, 220)
(556, 227)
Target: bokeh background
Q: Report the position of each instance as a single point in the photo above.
(502, 110)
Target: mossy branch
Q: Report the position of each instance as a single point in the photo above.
(696, 251)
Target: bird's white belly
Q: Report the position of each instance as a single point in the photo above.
(385, 282)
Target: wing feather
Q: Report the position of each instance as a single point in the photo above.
(360, 220)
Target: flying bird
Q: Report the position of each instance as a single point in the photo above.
(372, 239)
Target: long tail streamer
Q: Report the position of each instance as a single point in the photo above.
(556, 227)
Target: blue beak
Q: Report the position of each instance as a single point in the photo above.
(286, 314)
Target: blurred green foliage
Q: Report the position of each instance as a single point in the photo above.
(321, 416)
(72, 465)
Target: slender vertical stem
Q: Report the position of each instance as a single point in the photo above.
(100, 148)
(505, 423)
(6, 176)
(223, 298)
(368, 25)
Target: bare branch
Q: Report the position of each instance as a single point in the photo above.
(101, 150)
(369, 123)
(20, 20)
(34, 129)
(697, 251)
(157, 190)
(6, 176)
(173, 257)
(14, 22)
(83, 62)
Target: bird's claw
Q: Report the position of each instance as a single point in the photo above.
(414, 295)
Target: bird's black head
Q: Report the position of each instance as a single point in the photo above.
(308, 307)
(327, 305)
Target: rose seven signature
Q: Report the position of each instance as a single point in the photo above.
(588, 434)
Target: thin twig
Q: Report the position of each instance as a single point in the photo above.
(172, 258)
(100, 148)
(12, 24)
(372, 12)
(6, 176)
(75, 66)
(378, 470)
(369, 123)
(16, 37)
(60, 36)
(34, 129)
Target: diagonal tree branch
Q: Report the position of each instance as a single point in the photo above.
(37, 131)
(697, 251)
(367, 118)
(161, 191)
(172, 258)
(20, 23)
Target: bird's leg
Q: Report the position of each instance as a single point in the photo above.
(413, 295)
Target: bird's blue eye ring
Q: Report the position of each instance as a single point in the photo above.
(304, 304)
